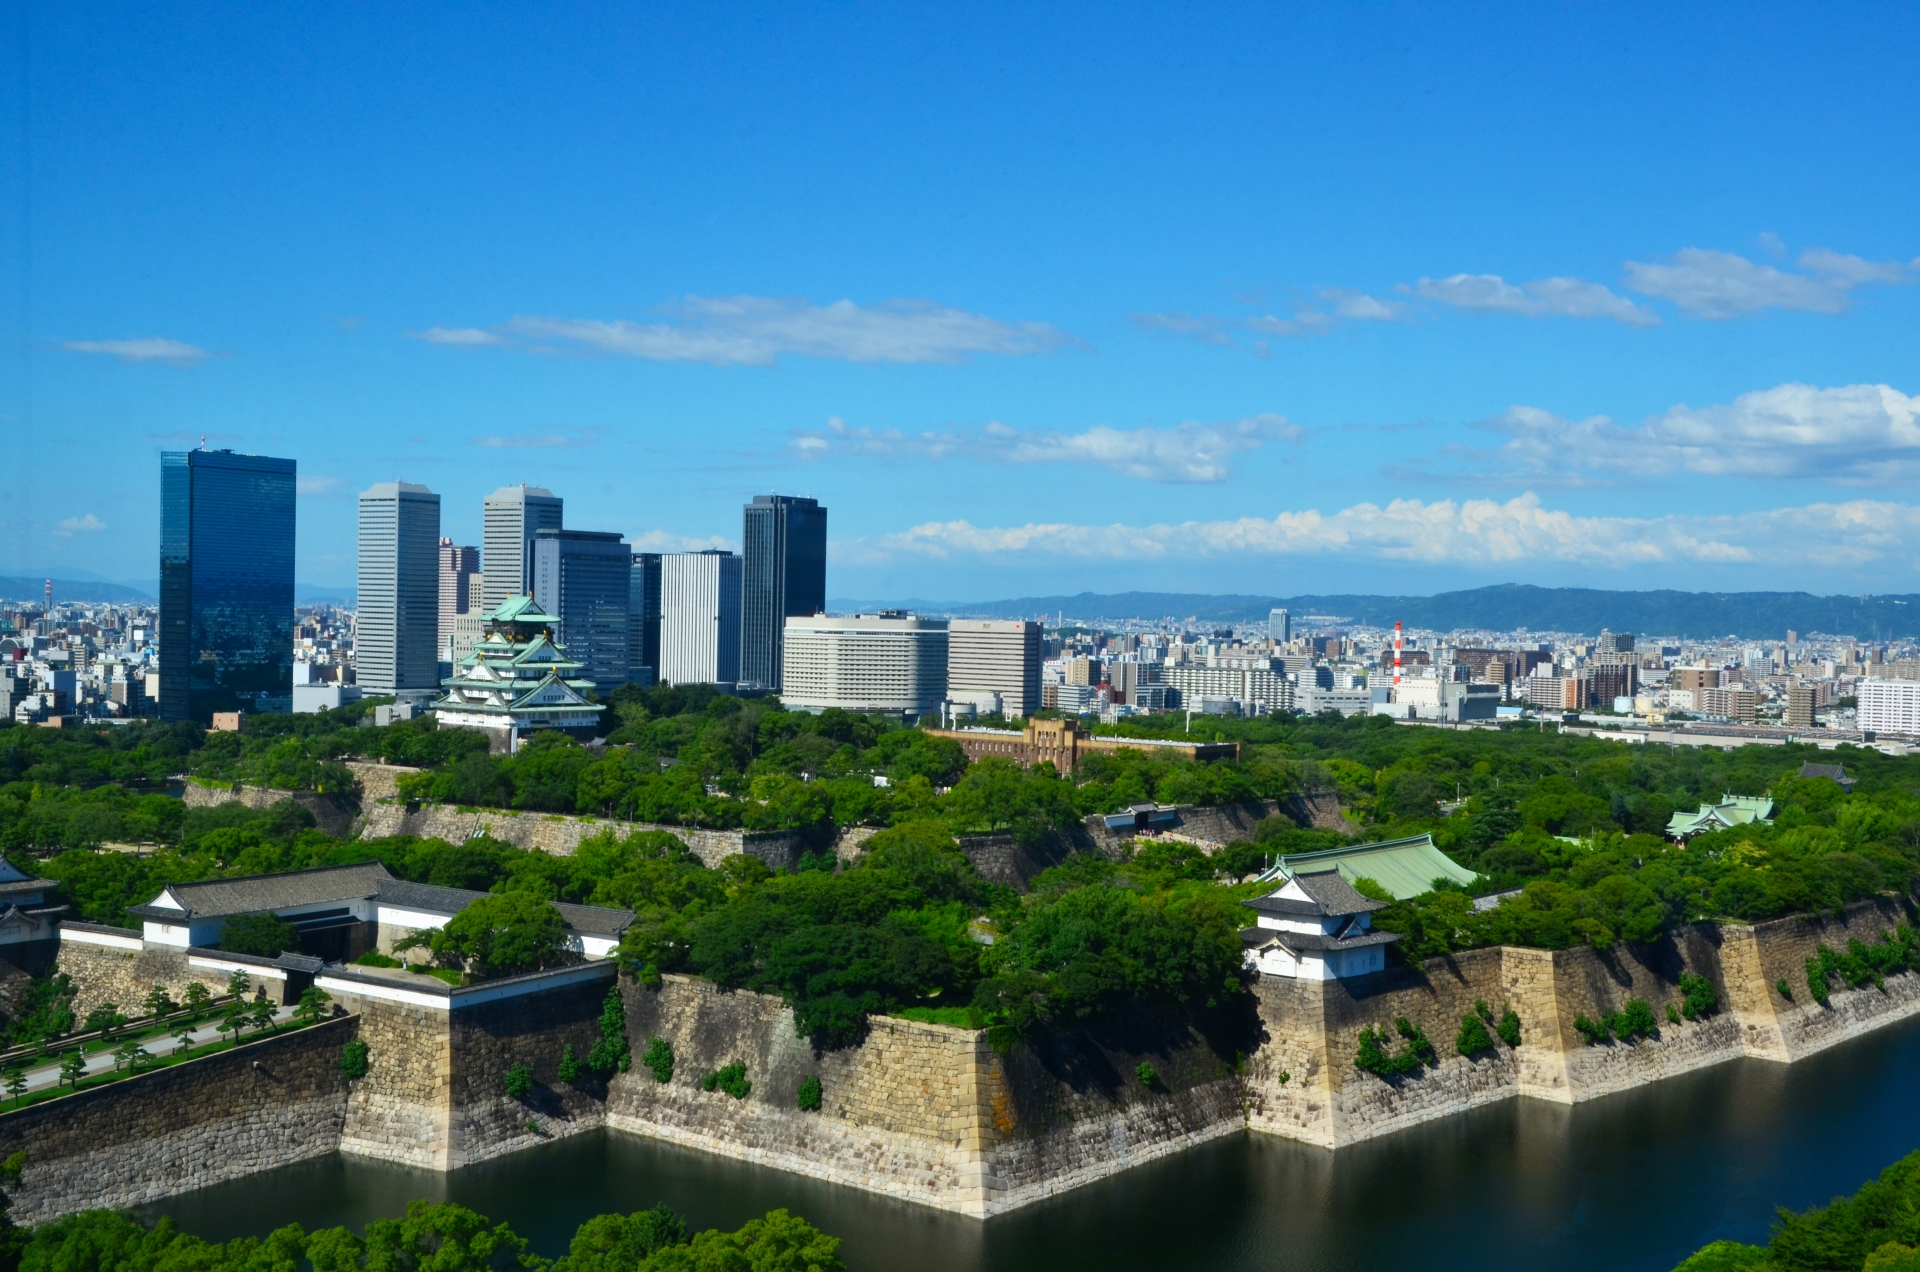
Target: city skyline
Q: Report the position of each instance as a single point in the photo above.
(1120, 315)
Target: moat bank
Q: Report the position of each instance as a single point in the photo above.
(1634, 1181)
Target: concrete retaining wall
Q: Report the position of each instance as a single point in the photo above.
(222, 1117)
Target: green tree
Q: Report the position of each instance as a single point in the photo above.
(659, 1058)
(619, 1243)
(240, 983)
(519, 1081)
(261, 1014)
(808, 1097)
(312, 1005)
(234, 1017)
(72, 1066)
(182, 1039)
(353, 1059)
(1474, 1037)
(105, 1019)
(264, 935)
(569, 1068)
(159, 1002)
(730, 1078)
(781, 1242)
(197, 999)
(127, 1054)
(17, 1082)
(496, 935)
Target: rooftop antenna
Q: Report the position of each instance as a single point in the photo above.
(203, 441)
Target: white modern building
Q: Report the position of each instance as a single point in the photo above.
(700, 618)
(1269, 688)
(1890, 706)
(995, 657)
(891, 662)
(1315, 927)
(397, 626)
(510, 517)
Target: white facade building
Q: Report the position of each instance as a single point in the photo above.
(700, 619)
(1890, 706)
(397, 626)
(890, 662)
(1263, 685)
(997, 657)
(1316, 927)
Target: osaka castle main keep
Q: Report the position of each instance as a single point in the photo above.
(517, 680)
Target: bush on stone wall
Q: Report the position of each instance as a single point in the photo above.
(1375, 1058)
(1509, 1027)
(808, 1097)
(1474, 1037)
(731, 1079)
(353, 1059)
(659, 1058)
(1698, 997)
(1896, 951)
(1635, 1020)
(610, 1050)
(519, 1081)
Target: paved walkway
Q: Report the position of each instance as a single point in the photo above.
(47, 1073)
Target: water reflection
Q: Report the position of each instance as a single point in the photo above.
(1635, 1181)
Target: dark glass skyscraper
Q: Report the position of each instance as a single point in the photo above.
(582, 577)
(643, 619)
(226, 582)
(783, 575)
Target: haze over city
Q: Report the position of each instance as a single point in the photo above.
(1248, 300)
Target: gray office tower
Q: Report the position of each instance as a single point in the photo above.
(510, 518)
(1279, 626)
(783, 574)
(643, 619)
(226, 583)
(581, 578)
(396, 632)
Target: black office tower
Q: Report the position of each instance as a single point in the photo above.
(226, 583)
(643, 617)
(784, 575)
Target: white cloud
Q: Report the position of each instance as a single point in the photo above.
(1480, 533)
(666, 541)
(315, 486)
(1305, 322)
(756, 330)
(1205, 328)
(82, 525)
(1192, 452)
(1855, 433)
(468, 337)
(145, 349)
(1542, 298)
(1361, 307)
(1722, 285)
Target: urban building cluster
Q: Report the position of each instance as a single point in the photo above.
(534, 627)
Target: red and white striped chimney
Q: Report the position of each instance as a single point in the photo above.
(1396, 655)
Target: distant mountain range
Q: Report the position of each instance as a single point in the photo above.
(19, 589)
(33, 589)
(1505, 607)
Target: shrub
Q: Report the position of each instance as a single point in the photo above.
(519, 1081)
(1509, 1027)
(1149, 1077)
(1673, 1014)
(1473, 1037)
(1374, 1058)
(105, 1018)
(610, 1051)
(374, 958)
(1897, 951)
(1594, 1031)
(265, 935)
(732, 1079)
(353, 1059)
(808, 1097)
(495, 935)
(569, 1067)
(1483, 1011)
(1700, 999)
(1783, 989)
(659, 1058)
(197, 999)
(159, 1002)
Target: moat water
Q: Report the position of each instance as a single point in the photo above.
(1634, 1181)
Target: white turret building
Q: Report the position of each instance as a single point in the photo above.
(1315, 927)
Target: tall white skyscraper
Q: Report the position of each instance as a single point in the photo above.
(397, 628)
(1004, 657)
(700, 618)
(1279, 626)
(511, 516)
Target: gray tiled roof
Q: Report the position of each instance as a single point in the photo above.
(598, 920)
(1255, 937)
(1332, 895)
(216, 898)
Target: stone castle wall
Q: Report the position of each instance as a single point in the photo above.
(924, 1112)
(331, 813)
(102, 974)
(562, 835)
(221, 1117)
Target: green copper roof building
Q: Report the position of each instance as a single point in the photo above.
(517, 681)
(1731, 811)
(1404, 867)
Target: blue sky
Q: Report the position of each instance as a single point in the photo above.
(1241, 298)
